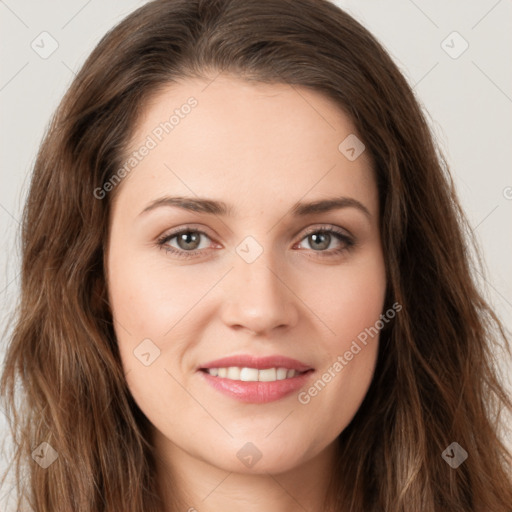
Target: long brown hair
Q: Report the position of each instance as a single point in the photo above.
(436, 380)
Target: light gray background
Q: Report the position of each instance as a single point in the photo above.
(468, 98)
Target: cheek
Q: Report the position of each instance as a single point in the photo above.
(350, 300)
(350, 305)
(147, 300)
(148, 297)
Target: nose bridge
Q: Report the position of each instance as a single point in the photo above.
(257, 297)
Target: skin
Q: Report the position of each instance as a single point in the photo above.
(260, 148)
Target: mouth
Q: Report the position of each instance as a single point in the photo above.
(256, 379)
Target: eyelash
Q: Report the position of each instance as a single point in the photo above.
(342, 237)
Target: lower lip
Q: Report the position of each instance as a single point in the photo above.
(257, 392)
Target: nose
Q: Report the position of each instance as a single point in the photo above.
(260, 297)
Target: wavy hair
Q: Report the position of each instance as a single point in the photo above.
(436, 380)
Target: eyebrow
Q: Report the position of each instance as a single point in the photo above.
(210, 206)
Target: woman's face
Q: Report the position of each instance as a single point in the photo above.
(251, 276)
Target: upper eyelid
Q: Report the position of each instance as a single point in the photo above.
(325, 227)
(185, 229)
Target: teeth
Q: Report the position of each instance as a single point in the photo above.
(233, 373)
(252, 374)
(281, 373)
(248, 374)
(268, 375)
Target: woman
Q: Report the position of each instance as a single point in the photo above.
(182, 341)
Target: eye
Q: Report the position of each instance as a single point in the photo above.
(187, 242)
(319, 239)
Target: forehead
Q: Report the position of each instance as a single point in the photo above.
(249, 141)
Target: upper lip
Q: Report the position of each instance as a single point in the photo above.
(260, 363)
